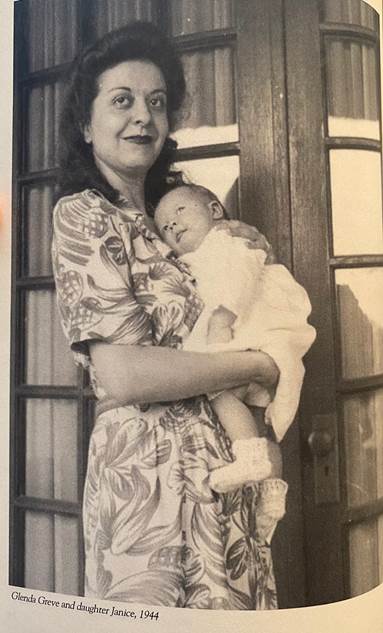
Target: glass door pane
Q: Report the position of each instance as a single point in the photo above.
(363, 432)
(44, 104)
(51, 449)
(52, 32)
(351, 12)
(352, 90)
(356, 198)
(214, 106)
(37, 207)
(112, 14)
(366, 556)
(201, 15)
(49, 360)
(51, 552)
(360, 311)
(218, 174)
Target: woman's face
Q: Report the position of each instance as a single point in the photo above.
(128, 123)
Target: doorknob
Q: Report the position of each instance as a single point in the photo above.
(323, 444)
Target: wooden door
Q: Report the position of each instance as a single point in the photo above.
(332, 75)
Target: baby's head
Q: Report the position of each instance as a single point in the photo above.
(185, 215)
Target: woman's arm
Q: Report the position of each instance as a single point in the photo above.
(133, 374)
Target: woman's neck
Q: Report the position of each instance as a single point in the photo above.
(133, 190)
(131, 186)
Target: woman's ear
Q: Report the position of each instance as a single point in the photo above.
(87, 134)
(216, 209)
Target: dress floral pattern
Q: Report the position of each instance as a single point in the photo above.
(155, 533)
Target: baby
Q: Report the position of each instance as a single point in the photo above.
(248, 305)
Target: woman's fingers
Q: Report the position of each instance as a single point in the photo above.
(256, 240)
(240, 229)
(270, 259)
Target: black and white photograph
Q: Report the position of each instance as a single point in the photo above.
(196, 316)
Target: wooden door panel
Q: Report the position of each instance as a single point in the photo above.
(310, 254)
(264, 202)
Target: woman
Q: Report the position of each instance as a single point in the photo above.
(154, 531)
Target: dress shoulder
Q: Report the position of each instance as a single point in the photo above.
(83, 216)
(91, 264)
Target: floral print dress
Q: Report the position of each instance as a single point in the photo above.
(155, 533)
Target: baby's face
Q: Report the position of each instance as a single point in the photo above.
(184, 218)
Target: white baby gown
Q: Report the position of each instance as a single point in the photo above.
(271, 308)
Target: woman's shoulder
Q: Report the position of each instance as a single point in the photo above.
(86, 201)
(87, 211)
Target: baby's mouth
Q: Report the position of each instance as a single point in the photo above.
(179, 235)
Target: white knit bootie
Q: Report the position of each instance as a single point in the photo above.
(271, 507)
(252, 463)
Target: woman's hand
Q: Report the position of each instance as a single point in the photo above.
(132, 374)
(236, 228)
(267, 372)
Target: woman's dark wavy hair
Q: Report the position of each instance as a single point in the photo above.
(135, 41)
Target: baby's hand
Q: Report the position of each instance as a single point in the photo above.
(219, 335)
(219, 328)
(236, 228)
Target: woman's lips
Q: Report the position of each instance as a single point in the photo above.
(139, 139)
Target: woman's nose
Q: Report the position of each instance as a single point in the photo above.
(141, 113)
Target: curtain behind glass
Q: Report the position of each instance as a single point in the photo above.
(350, 12)
(51, 449)
(44, 107)
(49, 359)
(352, 94)
(52, 32)
(51, 553)
(215, 104)
(201, 15)
(112, 14)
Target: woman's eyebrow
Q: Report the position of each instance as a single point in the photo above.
(120, 88)
(162, 90)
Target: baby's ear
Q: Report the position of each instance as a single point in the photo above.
(216, 209)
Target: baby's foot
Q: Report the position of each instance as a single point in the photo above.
(271, 506)
(251, 464)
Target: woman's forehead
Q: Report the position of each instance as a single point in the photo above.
(135, 74)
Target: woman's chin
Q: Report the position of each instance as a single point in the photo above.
(140, 156)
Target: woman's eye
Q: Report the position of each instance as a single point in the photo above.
(158, 102)
(122, 101)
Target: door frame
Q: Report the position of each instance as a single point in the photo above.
(265, 200)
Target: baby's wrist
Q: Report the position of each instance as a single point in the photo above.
(219, 328)
(222, 317)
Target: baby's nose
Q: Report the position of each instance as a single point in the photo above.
(172, 225)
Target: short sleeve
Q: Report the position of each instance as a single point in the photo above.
(91, 265)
